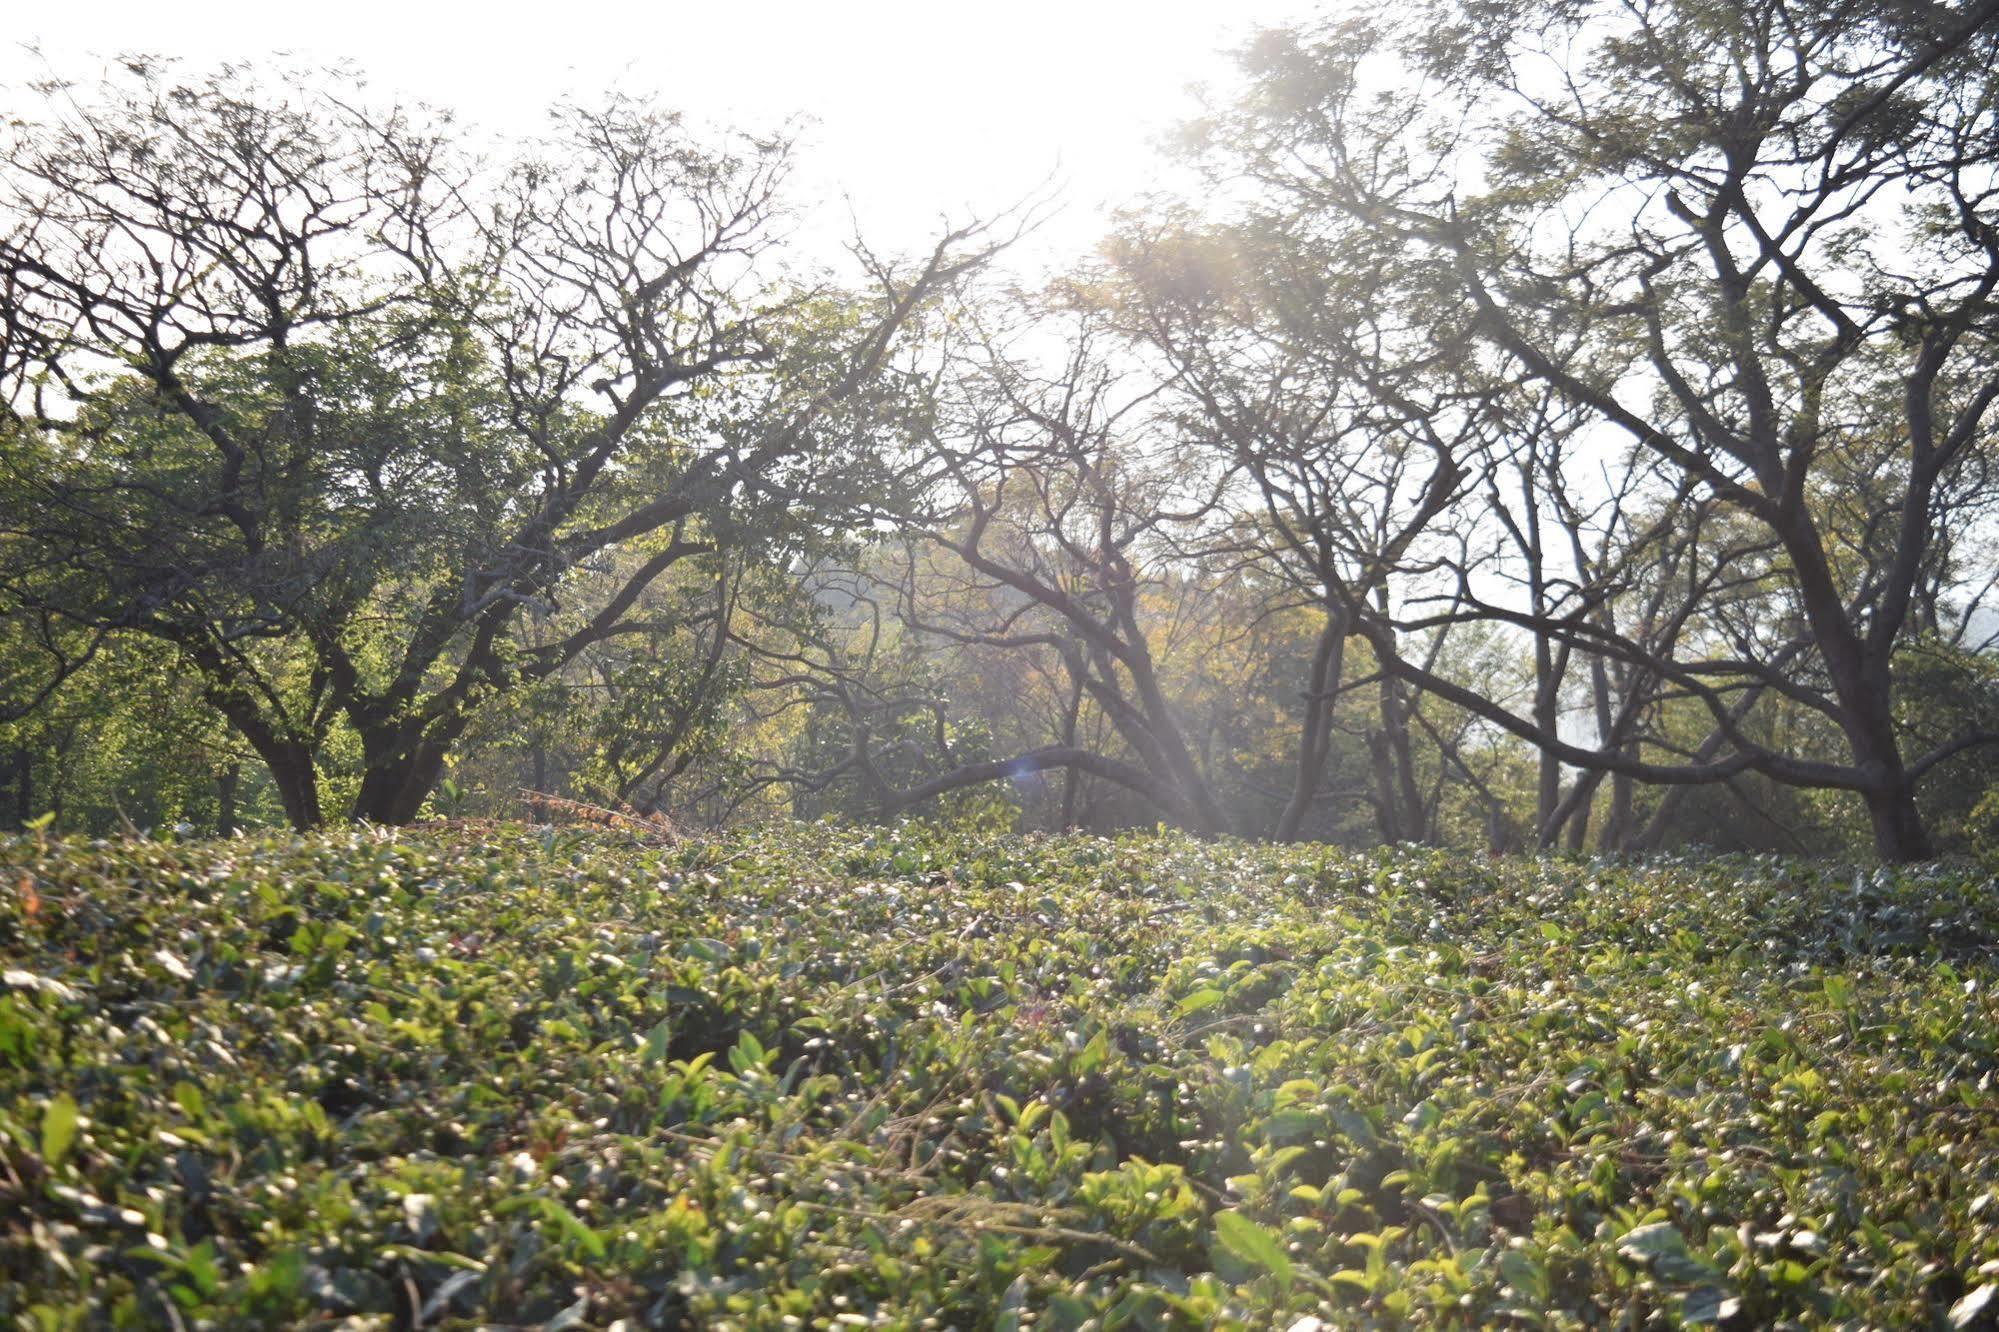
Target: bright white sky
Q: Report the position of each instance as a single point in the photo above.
(921, 108)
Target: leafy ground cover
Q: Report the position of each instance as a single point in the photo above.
(916, 1078)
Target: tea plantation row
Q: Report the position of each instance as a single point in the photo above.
(920, 1079)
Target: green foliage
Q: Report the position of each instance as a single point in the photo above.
(358, 484)
(938, 1074)
(126, 742)
(1983, 826)
(1942, 692)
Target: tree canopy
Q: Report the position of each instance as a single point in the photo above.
(1550, 425)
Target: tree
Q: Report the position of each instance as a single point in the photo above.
(299, 390)
(1774, 222)
(1046, 535)
(1343, 445)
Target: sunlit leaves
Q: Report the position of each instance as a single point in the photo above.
(920, 1068)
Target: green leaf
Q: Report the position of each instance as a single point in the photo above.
(1646, 1244)
(59, 1121)
(1661, 1247)
(1524, 1275)
(656, 1043)
(1288, 1124)
(572, 1226)
(202, 1269)
(1253, 1244)
(1206, 997)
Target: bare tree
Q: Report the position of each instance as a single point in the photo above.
(300, 391)
(1344, 442)
(1785, 210)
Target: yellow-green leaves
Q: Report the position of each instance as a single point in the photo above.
(1253, 1244)
(59, 1123)
(573, 1063)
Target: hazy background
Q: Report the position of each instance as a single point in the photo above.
(919, 108)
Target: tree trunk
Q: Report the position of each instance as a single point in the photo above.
(1548, 802)
(1204, 810)
(1403, 746)
(1607, 734)
(1315, 733)
(1399, 801)
(288, 754)
(1863, 683)
(297, 780)
(397, 780)
(1387, 815)
(1401, 808)
(1617, 828)
(1899, 834)
(1548, 784)
(225, 800)
(1069, 775)
(1579, 816)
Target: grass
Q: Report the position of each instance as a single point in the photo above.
(925, 1078)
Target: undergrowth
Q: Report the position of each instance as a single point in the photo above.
(917, 1078)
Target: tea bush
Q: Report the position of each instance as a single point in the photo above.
(920, 1078)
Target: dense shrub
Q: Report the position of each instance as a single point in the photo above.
(1983, 830)
(920, 1079)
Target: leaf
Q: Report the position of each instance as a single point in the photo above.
(440, 1299)
(201, 1268)
(59, 1121)
(1709, 1304)
(1968, 1310)
(572, 1226)
(1253, 1244)
(1648, 1243)
(1660, 1247)
(748, 1053)
(708, 950)
(1091, 1057)
(1524, 1275)
(1288, 1124)
(1206, 997)
(1297, 1091)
